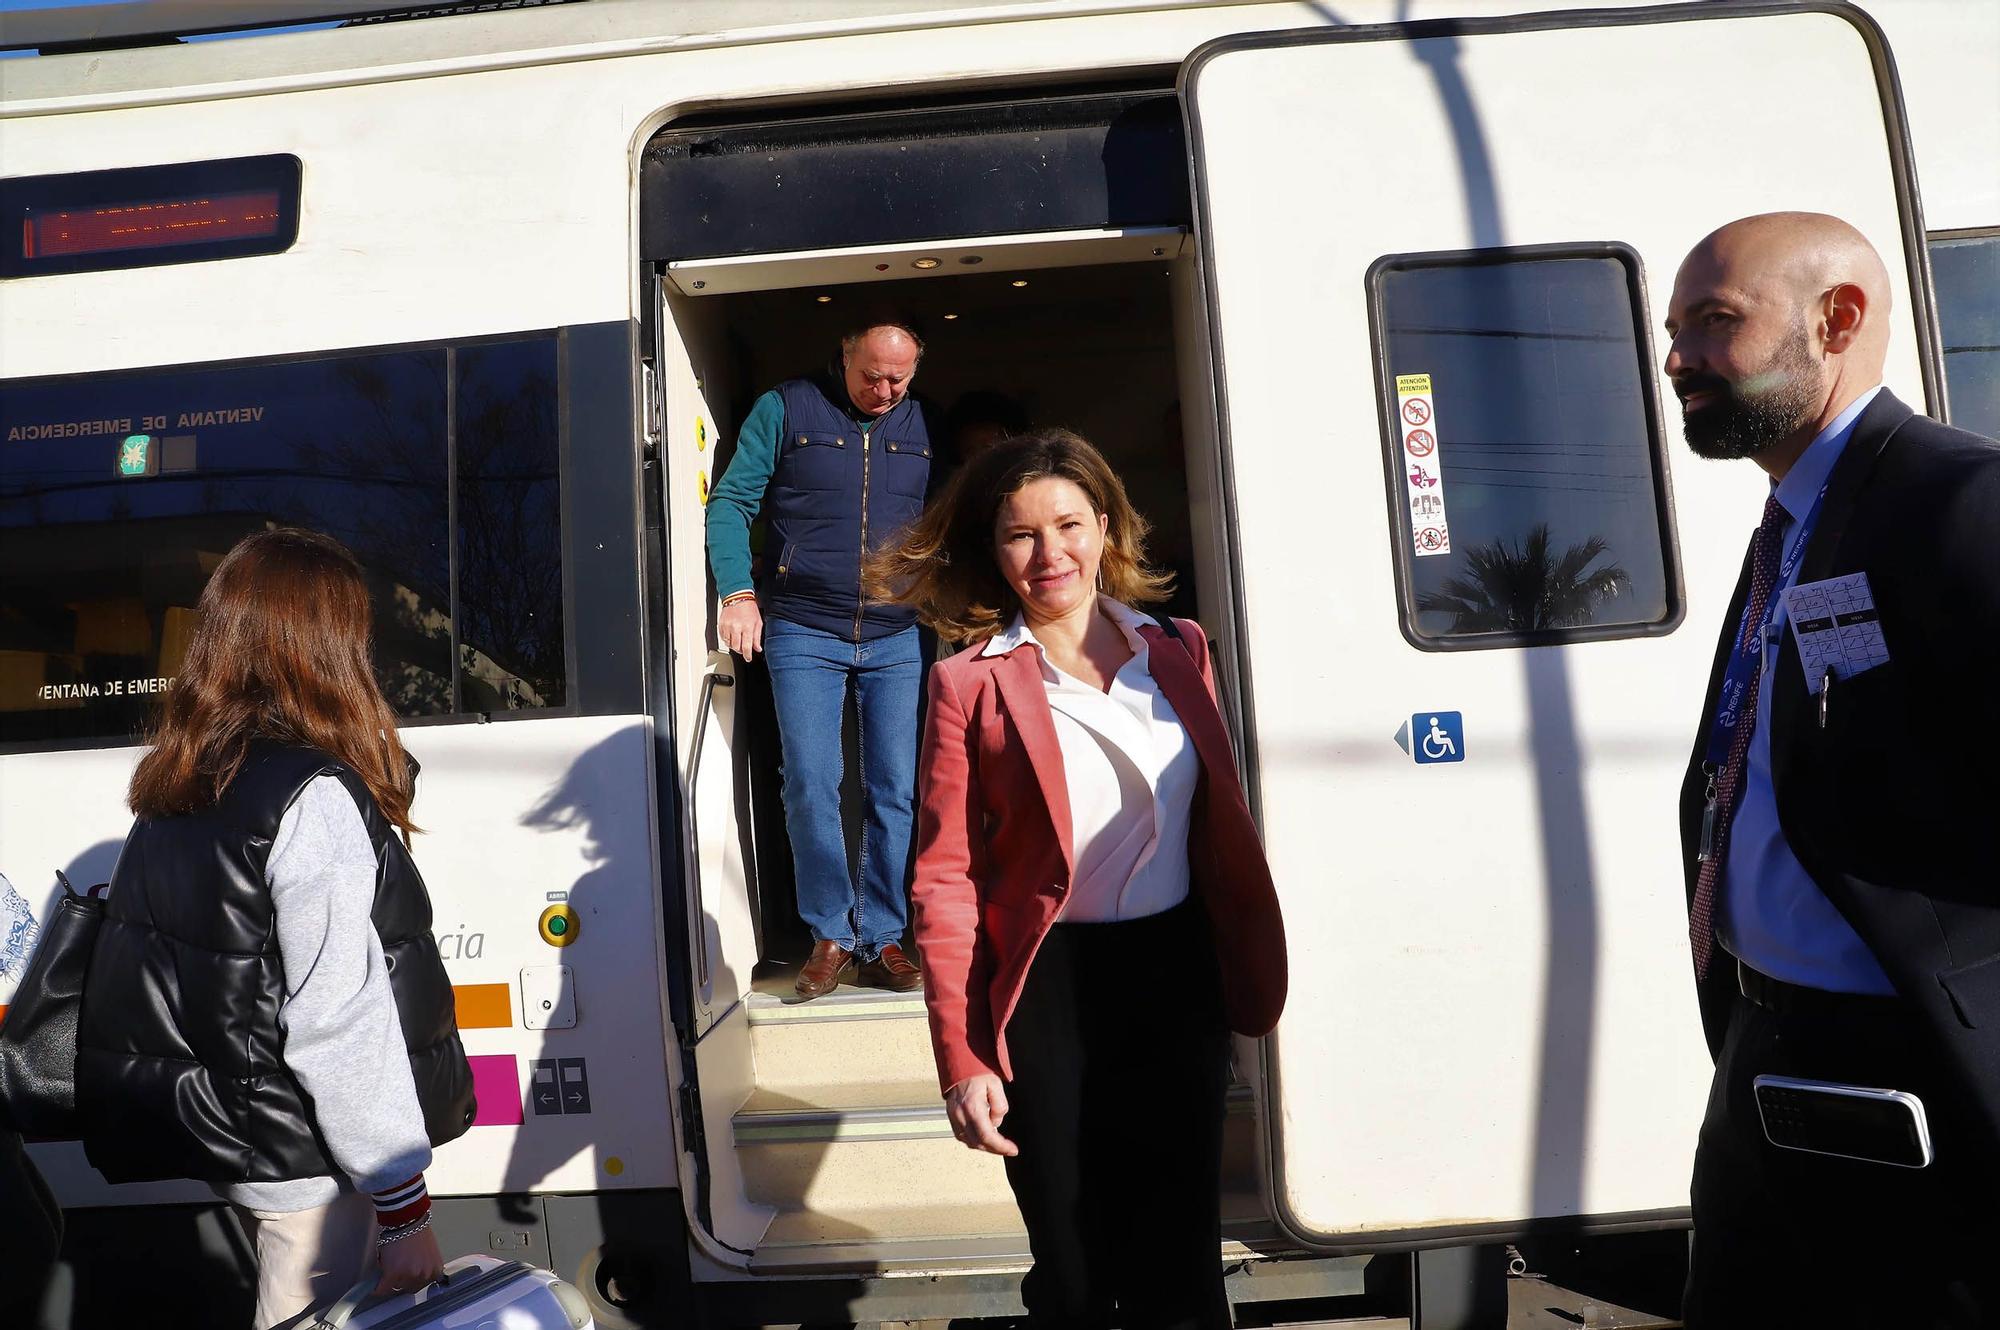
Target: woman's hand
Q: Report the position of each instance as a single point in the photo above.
(409, 1264)
(976, 1106)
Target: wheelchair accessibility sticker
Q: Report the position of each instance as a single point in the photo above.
(1433, 736)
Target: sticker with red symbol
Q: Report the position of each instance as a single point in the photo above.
(1423, 476)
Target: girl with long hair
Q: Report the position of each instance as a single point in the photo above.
(265, 1009)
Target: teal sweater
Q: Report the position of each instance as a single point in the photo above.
(739, 496)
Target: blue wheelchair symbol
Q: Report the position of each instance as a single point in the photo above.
(1437, 736)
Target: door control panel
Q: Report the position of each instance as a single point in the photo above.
(548, 998)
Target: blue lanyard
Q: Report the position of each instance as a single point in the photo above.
(1743, 659)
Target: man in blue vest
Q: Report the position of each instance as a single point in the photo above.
(836, 464)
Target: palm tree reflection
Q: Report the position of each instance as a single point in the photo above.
(1527, 587)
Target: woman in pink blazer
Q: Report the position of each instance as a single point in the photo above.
(1093, 906)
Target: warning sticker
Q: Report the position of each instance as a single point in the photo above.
(1423, 472)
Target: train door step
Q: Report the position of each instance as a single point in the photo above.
(845, 1137)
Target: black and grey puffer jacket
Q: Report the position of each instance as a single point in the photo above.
(180, 1060)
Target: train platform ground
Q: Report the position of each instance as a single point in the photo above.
(1537, 1304)
(1532, 1304)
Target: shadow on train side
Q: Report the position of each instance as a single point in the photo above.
(626, 1248)
(1568, 1017)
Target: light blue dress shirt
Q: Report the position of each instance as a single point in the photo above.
(1774, 918)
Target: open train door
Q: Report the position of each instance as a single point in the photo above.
(1476, 578)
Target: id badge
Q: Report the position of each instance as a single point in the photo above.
(1838, 631)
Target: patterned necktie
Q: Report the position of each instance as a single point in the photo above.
(1764, 547)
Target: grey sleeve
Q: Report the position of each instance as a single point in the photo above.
(343, 1038)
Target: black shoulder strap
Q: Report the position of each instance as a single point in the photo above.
(1172, 628)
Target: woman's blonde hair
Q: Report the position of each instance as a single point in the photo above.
(943, 566)
(280, 651)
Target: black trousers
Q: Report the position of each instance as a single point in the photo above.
(1786, 1238)
(1120, 1059)
(30, 1233)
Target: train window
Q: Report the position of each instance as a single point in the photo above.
(1525, 459)
(1965, 271)
(510, 653)
(120, 492)
(144, 216)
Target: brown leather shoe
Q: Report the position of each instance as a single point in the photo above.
(891, 970)
(824, 969)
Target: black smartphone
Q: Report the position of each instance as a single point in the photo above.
(1850, 1121)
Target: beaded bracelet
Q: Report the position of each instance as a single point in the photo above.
(398, 1234)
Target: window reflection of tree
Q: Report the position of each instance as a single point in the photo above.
(1527, 587)
(355, 447)
(385, 440)
(509, 529)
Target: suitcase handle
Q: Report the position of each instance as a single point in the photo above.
(338, 1311)
(336, 1314)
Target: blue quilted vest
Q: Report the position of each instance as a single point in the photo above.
(837, 491)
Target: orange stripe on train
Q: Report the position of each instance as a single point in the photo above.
(483, 1006)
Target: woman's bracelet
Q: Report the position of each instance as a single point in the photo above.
(402, 1231)
(735, 596)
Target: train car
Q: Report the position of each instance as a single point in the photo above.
(1361, 297)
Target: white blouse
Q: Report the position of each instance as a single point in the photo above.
(1130, 771)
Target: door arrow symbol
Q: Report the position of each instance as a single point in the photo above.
(1403, 737)
(575, 1098)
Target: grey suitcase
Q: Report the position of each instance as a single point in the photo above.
(482, 1294)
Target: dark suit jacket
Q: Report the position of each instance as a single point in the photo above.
(1894, 807)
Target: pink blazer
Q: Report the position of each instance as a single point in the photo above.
(994, 852)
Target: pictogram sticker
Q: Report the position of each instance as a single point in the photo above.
(559, 1086)
(575, 1085)
(1423, 482)
(544, 1090)
(1437, 736)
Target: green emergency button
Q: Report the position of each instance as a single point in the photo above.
(558, 925)
(138, 457)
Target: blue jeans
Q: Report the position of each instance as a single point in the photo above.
(810, 671)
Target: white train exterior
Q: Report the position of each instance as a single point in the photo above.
(1492, 1023)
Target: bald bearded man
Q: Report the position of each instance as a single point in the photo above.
(1838, 817)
